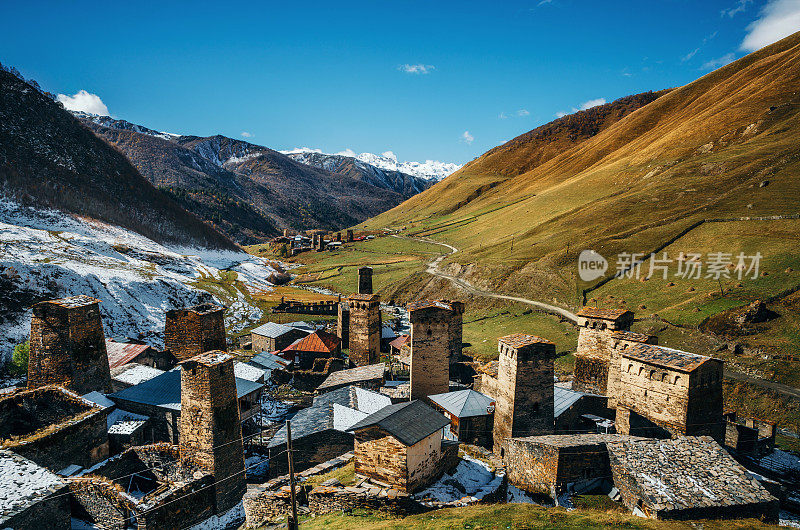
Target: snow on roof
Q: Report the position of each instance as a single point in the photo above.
(464, 403)
(99, 399)
(117, 420)
(23, 484)
(137, 374)
(248, 371)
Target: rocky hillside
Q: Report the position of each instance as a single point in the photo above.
(48, 159)
(404, 184)
(250, 192)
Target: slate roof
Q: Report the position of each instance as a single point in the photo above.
(320, 415)
(272, 330)
(667, 357)
(354, 375)
(491, 368)
(23, 484)
(576, 440)
(518, 340)
(684, 473)
(318, 342)
(362, 297)
(123, 353)
(602, 313)
(164, 391)
(270, 361)
(409, 422)
(464, 403)
(630, 336)
(428, 304)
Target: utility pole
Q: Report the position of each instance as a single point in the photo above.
(292, 523)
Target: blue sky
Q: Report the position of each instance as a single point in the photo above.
(426, 80)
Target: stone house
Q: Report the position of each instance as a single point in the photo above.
(272, 337)
(276, 369)
(471, 416)
(593, 356)
(364, 336)
(319, 432)
(53, 427)
(400, 350)
(125, 429)
(553, 464)
(31, 497)
(370, 377)
(686, 478)
(318, 345)
(669, 392)
(122, 353)
(401, 446)
(749, 436)
(67, 346)
(160, 400)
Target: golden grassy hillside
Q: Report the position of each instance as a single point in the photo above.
(636, 175)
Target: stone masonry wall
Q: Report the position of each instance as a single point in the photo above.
(381, 458)
(430, 368)
(68, 347)
(592, 360)
(53, 512)
(532, 467)
(195, 330)
(210, 431)
(365, 329)
(343, 325)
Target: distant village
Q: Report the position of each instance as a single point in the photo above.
(114, 433)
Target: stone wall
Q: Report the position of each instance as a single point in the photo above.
(78, 436)
(68, 347)
(532, 467)
(381, 458)
(210, 429)
(524, 401)
(365, 280)
(365, 329)
(343, 325)
(310, 451)
(195, 330)
(430, 367)
(592, 360)
(455, 331)
(51, 512)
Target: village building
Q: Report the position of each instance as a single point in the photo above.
(276, 369)
(371, 377)
(398, 391)
(128, 375)
(669, 392)
(400, 350)
(471, 416)
(125, 429)
(54, 427)
(160, 400)
(194, 330)
(317, 345)
(575, 412)
(524, 388)
(31, 497)
(555, 464)
(387, 336)
(343, 324)
(365, 328)
(430, 332)
(365, 280)
(749, 436)
(201, 480)
(686, 478)
(249, 372)
(319, 432)
(67, 346)
(122, 353)
(401, 446)
(272, 337)
(593, 356)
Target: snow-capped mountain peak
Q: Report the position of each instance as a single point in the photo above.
(428, 170)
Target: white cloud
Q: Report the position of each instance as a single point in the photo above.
(777, 19)
(713, 64)
(502, 116)
(591, 103)
(417, 69)
(84, 101)
(467, 138)
(347, 152)
(738, 7)
(544, 2)
(561, 114)
(246, 134)
(523, 112)
(689, 55)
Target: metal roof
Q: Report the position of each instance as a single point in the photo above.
(409, 422)
(272, 330)
(564, 398)
(165, 391)
(387, 332)
(353, 375)
(400, 341)
(464, 403)
(123, 353)
(269, 361)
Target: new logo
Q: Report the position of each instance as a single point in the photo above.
(591, 265)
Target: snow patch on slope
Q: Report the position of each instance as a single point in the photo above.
(47, 254)
(428, 170)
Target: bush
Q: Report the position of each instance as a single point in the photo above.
(19, 360)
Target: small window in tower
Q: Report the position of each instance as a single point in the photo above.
(221, 369)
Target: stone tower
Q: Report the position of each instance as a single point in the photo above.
(195, 330)
(68, 347)
(524, 401)
(455, 331)
(210, 432)
(365, 280)
(365, 328)
(350, 236)
(593, 357)
(343, 324)
(430, 348)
